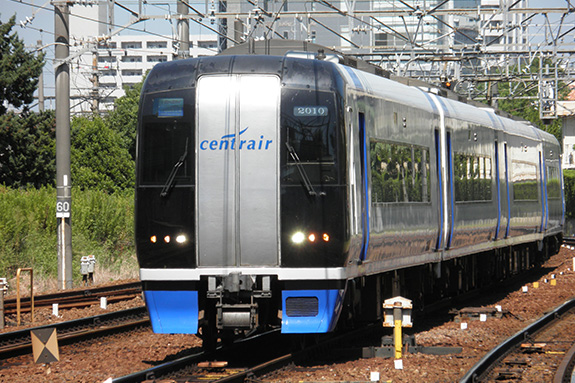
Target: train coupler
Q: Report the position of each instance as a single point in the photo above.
(237, 316)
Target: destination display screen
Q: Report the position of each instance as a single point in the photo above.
(168, 107)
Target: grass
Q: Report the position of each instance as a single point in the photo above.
(102, 224)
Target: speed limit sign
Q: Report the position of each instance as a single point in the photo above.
(63, 207)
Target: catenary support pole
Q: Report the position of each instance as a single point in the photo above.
(40, 84)
(183, 30)
(63, 178)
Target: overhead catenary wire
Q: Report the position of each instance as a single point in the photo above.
(419, 51)
(323, 2)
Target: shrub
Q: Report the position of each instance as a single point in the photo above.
(102, 224)
(569, 185)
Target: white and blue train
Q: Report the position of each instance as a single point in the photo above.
(299, 193)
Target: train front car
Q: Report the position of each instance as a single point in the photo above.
(240, 196)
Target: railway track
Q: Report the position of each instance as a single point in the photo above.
(19, 342)
(313, 369)
(247, 359)
(197, 367)
(546, 342)
(190, 368)
(76, 298)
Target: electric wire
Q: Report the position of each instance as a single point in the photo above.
(556, 33)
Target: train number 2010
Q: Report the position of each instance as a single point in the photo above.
(309, 111)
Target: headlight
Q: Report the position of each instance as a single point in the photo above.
(298, 237)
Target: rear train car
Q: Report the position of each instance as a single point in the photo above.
(295, 193)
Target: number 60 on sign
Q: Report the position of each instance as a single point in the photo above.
(63, 207)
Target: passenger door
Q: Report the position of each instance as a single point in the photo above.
(237, 181)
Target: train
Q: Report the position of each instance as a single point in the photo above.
(298, 191)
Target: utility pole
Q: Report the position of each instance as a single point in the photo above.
(95, 83)
(183, 30)
(222, 26)
(40, 84)
(63, 178)
(236, 27)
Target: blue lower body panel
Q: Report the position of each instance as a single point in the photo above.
(310, 311)
(173, 312)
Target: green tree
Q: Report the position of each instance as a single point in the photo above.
(27, 149)
(124, 117)
(569, 187)
(99, 160)
(19, 70)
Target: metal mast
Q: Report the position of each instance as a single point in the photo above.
(63, 178)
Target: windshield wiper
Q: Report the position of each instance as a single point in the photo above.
(306, 182)
(170, 181)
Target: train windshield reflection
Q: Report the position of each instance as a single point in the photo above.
(310, 120)
(163, 146)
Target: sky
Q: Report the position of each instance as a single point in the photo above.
(35, 21)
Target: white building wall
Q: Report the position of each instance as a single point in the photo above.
(117, 62)
(502, 25)
(128, 57)
(566, 110)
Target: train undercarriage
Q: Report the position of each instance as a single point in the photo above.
(430, 283)
(237, 305)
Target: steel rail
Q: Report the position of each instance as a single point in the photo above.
(75, 302)
(162, 369)
(170, 368)
(113, 293)
(305, 354)
(485, 364)
(95, 291)
(20, 342)
(275, 359)
(564, 373)
(258, 370)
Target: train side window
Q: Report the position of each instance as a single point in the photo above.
(399, 173)
(524, 179)
(472, 177)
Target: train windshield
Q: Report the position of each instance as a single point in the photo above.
(309, 121)
(166, 144)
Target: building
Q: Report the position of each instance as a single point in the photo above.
(396, 38)
(100, 73)
(566, 110)
(503, 29)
